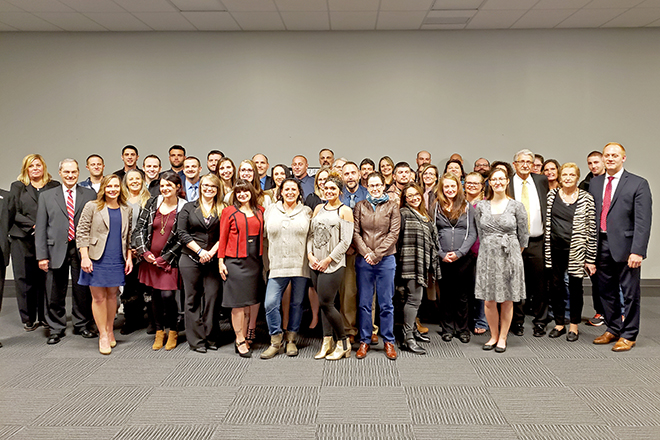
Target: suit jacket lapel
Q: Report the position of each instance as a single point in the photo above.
(619, 188)
(32, 191)
(59, 199)
(80, 203)
(125, 218)
(199, 215)
(105, 215)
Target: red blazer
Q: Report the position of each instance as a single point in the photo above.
(233, 233)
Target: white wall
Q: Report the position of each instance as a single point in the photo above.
(562, 93)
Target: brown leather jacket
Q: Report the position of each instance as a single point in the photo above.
(376, 232)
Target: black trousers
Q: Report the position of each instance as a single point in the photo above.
(558, 289)
(535, 285)
(30, 281)
(163, 304)
(133, 299)
(57, 283)
(3, 272)
(612, 274)
(201, 284)
(327, 287)
(456, 289)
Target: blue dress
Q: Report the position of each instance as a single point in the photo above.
(108, 271)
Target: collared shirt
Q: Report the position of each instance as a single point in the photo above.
(192, 191)
(351, 199)
(615, 182)
(535, 218)
(307, 184)
(66, 194)
(262, 182)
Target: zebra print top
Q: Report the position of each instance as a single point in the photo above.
(584, 239)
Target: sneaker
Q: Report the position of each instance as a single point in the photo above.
(597, 320)
(31, 326)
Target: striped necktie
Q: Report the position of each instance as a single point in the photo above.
(70, 211)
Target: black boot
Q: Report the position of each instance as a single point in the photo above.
(420, 337)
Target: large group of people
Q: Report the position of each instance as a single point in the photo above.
(367, 244)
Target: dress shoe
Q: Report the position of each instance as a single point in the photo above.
(411, 345)
(518, 330)
(572, 337)
(85, 333)
(351, 339)
(554, 333)
(374, 339)
(499, 349)
(623, 344)
(488, 347)
(420, 337)
(31, 326)
(362, 351)
(539, 331)
(54, 338)
(0, 344)
(420, 328)
(199, 349)
(447, 337)
(605, 338)
(247, 354)
(212, 346)
(464, 337)
(390, 352)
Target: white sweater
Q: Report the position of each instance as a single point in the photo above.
(287, 240)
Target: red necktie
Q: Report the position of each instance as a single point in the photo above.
(70, 213)
(607, 199)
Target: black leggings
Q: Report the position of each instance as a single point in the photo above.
(558, 292)
(327, 286)
(165, 309)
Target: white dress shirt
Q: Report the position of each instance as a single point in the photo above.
(535, 218)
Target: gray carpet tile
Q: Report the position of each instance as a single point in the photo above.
(206, 372)
(277, 405)
(453, 406)
(65, 432)
(131, 372)
(377, 431)
(94, 406)
(9, 431)
(13, 367)
(564, 432)
(54, 373)
(32, 345)
(636, 433)
(438, 348)
(591, 372)
(371, 371)
(283, 370)
(498, 371)
(642, 369)
(516, 347)
(463, 432)
(307, 347)
(623, 406)
(559, 348)
(139, 347)
(437, 372)
(165, 432)
(183, 406)
(558, 406)
(368, 403)
(24, 406)
(265, 432)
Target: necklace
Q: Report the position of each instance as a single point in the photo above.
(162, 227)
(568, 199)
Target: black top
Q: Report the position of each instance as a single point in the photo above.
(313, 201)
(192, 226)
(562, 224)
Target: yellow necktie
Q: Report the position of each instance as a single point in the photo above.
(524, 199)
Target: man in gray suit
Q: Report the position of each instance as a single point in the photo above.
(55, 242)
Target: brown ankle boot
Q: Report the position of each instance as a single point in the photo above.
(171, 340)
(158, 341)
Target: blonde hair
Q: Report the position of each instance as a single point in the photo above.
(569, 165)
(144, 192)
(24, 177)
(218, 204)
(100, 197)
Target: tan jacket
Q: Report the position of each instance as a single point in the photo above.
(376, 232)
(94, 227)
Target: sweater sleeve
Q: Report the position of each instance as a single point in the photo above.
(471, 235)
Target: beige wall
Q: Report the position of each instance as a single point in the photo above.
(562, 93)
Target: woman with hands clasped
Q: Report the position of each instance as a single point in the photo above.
(103, 237)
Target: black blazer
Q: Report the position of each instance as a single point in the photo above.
(25, 199)
(7, 214)
(542, 189)
(192, 227)
(629, 216)
(269, 183)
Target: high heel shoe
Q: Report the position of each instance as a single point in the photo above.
(104, 346)
(326, 348)
(113, 341)
(251, 335)
(247, 354)
(343, 349)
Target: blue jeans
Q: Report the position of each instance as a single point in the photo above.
(273, 302)
(381, 278)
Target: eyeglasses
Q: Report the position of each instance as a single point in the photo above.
(499, 179)
(524, 162)
(207, 186)
(472, 183)
(375, 186)
(413, 196)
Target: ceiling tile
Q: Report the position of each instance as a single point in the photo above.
(25, 21)
(306, 21)
(636, 17)
(393, 20)
(435, 27)
(118, 22)
(199, 5)
(508, 4)
(7, 28)
(456, 4)
(250, 5)
(611, 4)
(71, 21)
(351, 21)
(449, 17)
(146, 5)
(40, 5)
(353, 5)
(560, 4)
(537, 19)
(259, 21)
(165, 21)
(590, 18)
(650, 4)
(405, 5)
(302, 5)
(212, 21)
(8, 7)
(93, 6)
(654, 24)
(494, 19)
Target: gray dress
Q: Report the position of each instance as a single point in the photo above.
(500, 273)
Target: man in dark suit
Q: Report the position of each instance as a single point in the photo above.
(261, 162)
(532, 191)
(623, 211)
(55, 242)
(6, 220)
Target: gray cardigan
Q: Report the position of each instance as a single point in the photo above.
(287, 240)
(458, 238)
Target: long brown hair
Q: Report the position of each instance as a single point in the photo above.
(404, 202)
(458, 205)
(240, 186)
(100, 197)
(24, 177)
(489, 191)
(256, 182)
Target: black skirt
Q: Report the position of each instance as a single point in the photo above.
(244, 275)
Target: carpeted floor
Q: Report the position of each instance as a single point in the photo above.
(541, 388)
